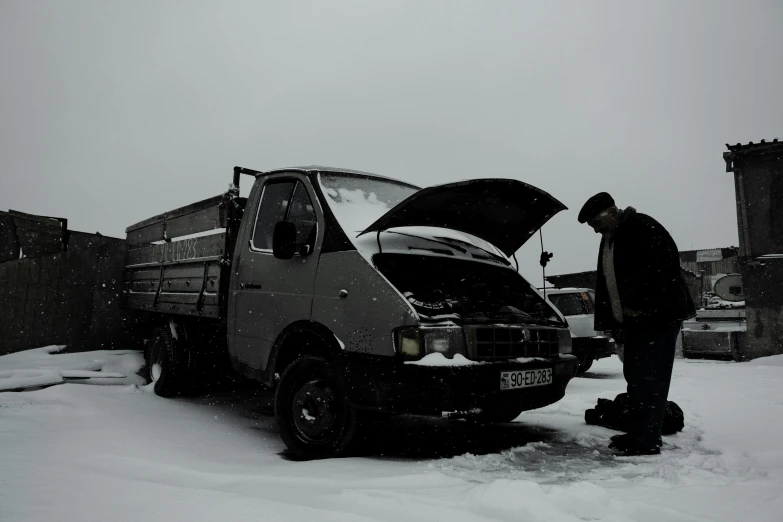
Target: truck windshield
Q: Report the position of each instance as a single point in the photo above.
(358, 201)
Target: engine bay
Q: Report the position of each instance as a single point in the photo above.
(467, 292)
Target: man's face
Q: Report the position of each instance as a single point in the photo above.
(605, 223)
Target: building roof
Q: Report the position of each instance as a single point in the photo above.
(753, 146)
(691, 255)
(750, 149)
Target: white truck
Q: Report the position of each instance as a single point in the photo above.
(577, 305)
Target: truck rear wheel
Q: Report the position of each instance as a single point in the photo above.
(166, 363)
(312, 410)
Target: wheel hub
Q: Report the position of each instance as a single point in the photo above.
(316, 411)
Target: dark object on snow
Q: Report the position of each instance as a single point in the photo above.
(627, 446)
(616, 414)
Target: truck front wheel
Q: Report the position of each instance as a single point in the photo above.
(312, 409)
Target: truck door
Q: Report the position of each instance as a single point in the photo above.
(270, 293)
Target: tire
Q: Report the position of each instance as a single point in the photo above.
(167, 363)
(312, 410)
(584, 364)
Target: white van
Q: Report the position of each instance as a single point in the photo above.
(577, 305)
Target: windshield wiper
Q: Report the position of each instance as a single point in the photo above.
(459, 249)
(491, 254)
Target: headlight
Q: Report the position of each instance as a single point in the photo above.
(445, 340)
(434, 344)
(564, 341)
(408, 343)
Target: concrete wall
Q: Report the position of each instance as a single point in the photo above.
(763, 281)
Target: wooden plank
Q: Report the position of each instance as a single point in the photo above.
(81, 286)
(9, 244)
(189, 283)
(181, 211)
(144, 302)
(146, 235)
(55, 319)
(70, 287)
(15, 301)
(200, 221)
(46, 305)
(199, 217)
(178, 251)
(147, 279)
(30, 275)
(37, 296)
(6, 307)
(38, 235)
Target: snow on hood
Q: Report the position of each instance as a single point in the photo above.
(431, 241)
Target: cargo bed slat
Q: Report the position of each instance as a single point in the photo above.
(199, 217)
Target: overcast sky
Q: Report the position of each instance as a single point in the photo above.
(111, 112)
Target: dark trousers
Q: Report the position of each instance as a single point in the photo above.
(649, 358)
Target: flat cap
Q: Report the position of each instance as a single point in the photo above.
(594, 206)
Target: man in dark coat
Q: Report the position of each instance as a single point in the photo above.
(640, 295)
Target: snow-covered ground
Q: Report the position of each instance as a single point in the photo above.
(120, 453)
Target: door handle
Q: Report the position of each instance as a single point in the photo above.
(250, 286)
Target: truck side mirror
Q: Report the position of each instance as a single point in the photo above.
(284, 240)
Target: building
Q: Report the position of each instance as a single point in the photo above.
(712, 263)
(758, 184)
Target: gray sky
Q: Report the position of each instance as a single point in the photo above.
(111, 112)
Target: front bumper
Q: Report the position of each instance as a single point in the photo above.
(382, 383)
(593, 347)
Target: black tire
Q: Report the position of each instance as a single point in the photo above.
(312, 410)
(584, 364)
(167, 363)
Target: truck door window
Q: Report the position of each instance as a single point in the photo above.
(273, 208)
(302, 214)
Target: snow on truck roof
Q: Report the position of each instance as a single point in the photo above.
(567, 290)
(311, 169)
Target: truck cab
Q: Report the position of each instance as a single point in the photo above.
(353, 294)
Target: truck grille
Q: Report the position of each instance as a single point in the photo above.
(493, 342)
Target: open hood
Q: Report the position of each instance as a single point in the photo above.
(504, 212)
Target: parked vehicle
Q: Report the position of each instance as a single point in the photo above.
(353, 294)
(588, 344)
(717, 333)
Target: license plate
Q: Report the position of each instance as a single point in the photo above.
(525, 378)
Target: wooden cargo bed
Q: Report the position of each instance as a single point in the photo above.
(178, 262)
